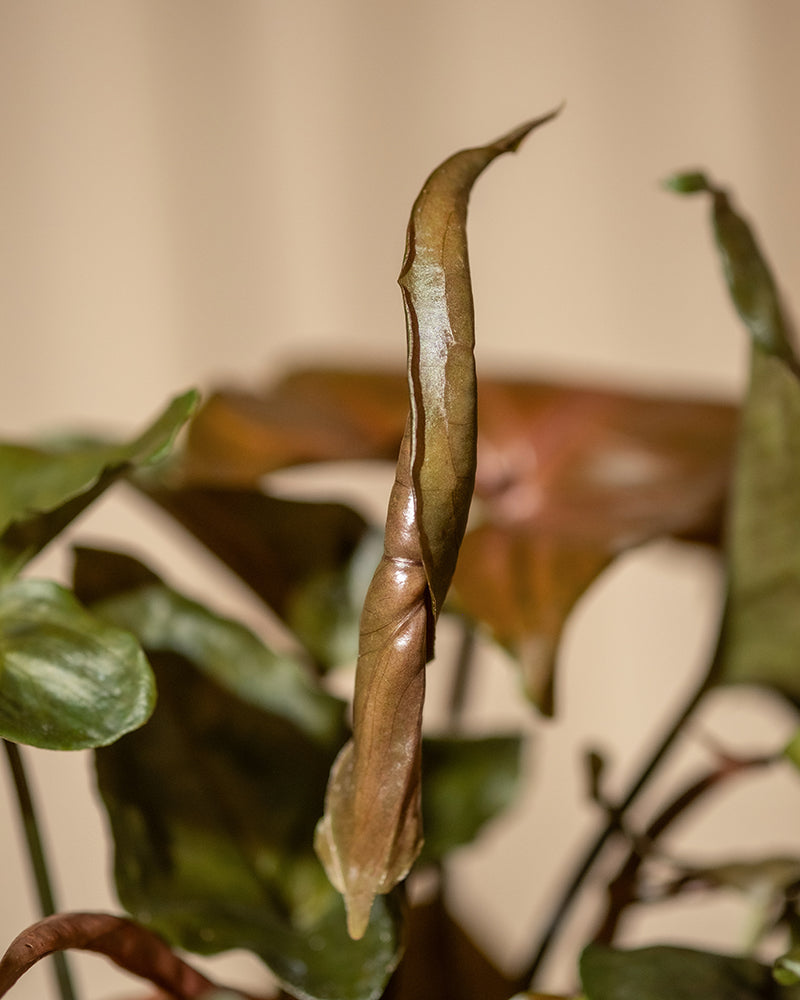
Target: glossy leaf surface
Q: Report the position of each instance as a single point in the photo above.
(371, 831)
(68, 680)
(227, 652)
(760, 640)
(213, 805)
(666, 973)
(42, 490)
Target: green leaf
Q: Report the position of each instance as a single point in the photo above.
(760, 637)
(67, 680)
(43, 490)
(666, 973)
(787, 967)
(305, 560)
(370, 833)
(212, 807)
(465, 784)
(750, 282)
(224, 650)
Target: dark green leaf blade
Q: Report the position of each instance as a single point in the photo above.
(465, 784)
(42, 490)
(68, 681)
(305, 560)
(667, 973)
(760, 637)
(230, 654)
(212, 807)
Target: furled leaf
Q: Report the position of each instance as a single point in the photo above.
(305, 560)
(371, 832)
(666, 973)
(128, 945)
(226, 651)
(760, 640)
(67, 680)
(465, 783)
(42, 490)
(212, 808)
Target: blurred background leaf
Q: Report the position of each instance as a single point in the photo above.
(43, 490)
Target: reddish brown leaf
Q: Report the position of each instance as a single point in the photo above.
(127, 944)
(371, 833)
(310, 416)
(568, 478)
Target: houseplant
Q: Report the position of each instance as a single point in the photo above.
(225, 796)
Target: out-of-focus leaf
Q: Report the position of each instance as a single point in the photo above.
(129, 945)
(568, 478)
(310, 416)
(665, 973)
(305, 560)
(792, 750)
(68, 680)
(760, 640)
(224, 650)
(371, 833)
(42, 490)
(441, 960)
(787, 967)
(212, 807)
(465, 783)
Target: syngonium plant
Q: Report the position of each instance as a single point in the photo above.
(246, 811)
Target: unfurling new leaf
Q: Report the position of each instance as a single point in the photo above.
(371, 832)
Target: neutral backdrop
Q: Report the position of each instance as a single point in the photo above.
(205, 191)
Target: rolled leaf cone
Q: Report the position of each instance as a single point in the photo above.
(371, 831)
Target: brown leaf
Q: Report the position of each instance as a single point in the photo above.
(568, 478)
(310, 416)
(371, 833)
(442, 962)
(127, 944)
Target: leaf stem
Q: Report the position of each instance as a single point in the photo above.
(462, 673)
(37, 859)
(595, 847)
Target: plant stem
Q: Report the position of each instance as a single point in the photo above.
(37, 859)
(462, 673)
(622, 888)
(594, 849)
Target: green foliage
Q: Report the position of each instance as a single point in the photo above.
(67, 680)
(663, 973)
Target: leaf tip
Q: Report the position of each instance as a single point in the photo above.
(688, 182)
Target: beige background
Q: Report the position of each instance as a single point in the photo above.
(193, 191)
